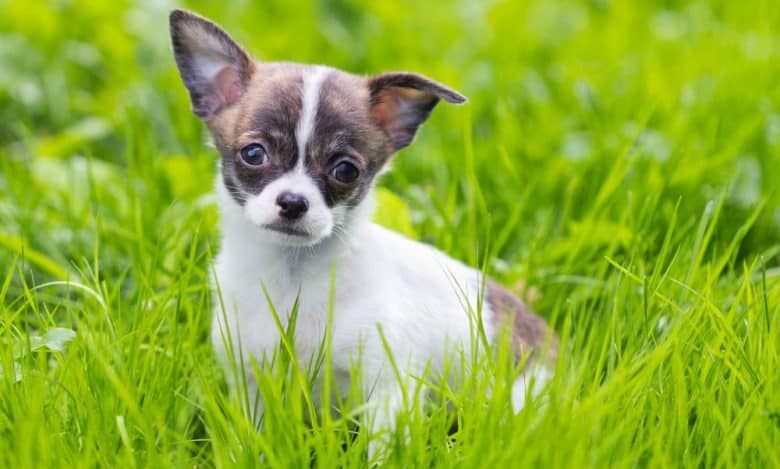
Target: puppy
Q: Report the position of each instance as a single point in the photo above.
(301, 147)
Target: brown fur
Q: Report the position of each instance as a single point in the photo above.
(343, 126)
(528, 331)
(267, 114)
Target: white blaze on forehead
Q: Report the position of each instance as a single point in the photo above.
(312, 82)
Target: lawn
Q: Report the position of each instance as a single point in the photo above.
(616, 166)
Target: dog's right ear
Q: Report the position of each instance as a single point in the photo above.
(215, 69)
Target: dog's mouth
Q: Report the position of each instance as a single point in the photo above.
(288, 230)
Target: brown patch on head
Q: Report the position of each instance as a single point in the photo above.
(270, 112)
(267, 114)
(529, 331)
(344, 131)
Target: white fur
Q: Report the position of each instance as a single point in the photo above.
(312, 81)
(319, 220)
(209, 66)
(424, 302)
(421, 298)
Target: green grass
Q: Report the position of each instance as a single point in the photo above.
(617, 165)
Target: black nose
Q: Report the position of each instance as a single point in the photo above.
(292, 206)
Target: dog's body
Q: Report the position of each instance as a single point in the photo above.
(301, 147)
(379, 278)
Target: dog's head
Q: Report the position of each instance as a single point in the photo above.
(301, 144)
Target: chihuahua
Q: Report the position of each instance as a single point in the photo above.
(301, 147)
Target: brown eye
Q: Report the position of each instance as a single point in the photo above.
(345, 172)
(254, 155)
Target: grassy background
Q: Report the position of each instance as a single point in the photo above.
(617, 165)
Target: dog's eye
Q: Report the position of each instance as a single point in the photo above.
(254, 154)
(345, 172)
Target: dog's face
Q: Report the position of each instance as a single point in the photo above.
(301, 145)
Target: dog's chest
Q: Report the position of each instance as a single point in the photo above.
(260, 296)
(403, 294)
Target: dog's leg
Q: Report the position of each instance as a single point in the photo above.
(388, 399)
(528, 385)
(384, 404)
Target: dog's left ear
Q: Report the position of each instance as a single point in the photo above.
(214, 68)
(402, 101)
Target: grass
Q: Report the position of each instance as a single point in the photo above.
(616, 165)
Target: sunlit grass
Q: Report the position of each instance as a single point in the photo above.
(616, 166)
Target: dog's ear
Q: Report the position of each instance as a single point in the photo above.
(401, 101)
(214, 68)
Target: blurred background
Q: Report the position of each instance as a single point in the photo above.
(591, 126)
